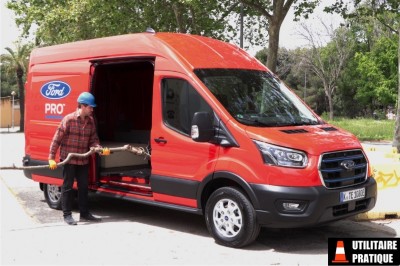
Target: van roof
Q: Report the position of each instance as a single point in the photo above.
(193, 51)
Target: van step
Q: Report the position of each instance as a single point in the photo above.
(124, 171)
(124, 179)
(143, 190)
(127, 185)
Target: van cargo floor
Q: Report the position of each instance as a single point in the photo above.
(138, 171)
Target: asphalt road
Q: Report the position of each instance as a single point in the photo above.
(134, 234)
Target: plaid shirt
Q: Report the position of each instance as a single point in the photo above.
(74, 134)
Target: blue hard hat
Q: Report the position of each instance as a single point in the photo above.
(86, 98)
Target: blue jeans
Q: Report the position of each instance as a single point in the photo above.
(70, 172)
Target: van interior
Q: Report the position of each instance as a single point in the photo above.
(123, 90)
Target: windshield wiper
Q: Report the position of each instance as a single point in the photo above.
(288, 124)
(307, 123)
(253, 122)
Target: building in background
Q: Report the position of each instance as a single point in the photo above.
(6, 108)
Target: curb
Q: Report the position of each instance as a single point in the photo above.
(9, 130)
(386, 148)
(372, 215)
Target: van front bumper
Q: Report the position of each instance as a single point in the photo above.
(316, 205)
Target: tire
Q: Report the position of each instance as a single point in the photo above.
(225, 206)
(52, 194)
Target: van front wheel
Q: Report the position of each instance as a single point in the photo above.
(52, 194)
(231, 218)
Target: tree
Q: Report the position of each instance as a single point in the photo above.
(8, 80)
(275, 12)
(327, 61)
(396, 138)
(17, 61)
(66, 21)
(346, 103)
(377, 75)
(386, 12)
(305, 83)
(285, 62)
(352, 98)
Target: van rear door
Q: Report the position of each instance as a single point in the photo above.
(52, 90)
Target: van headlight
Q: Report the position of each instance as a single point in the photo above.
(276, 155)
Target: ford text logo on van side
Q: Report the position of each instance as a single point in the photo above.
(55, 90)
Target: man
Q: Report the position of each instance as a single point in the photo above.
(76, 134)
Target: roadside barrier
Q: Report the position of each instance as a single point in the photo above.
(385, 164)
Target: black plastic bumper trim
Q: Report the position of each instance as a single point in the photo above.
(320, 204)
(27, 161)
(174, 186)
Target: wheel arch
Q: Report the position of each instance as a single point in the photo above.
(224, 179)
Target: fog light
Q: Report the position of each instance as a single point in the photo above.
(291, 206)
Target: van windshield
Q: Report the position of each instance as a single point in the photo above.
(256, 98)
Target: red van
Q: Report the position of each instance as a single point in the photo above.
(227, 138)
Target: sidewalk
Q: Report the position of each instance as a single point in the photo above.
(9, 130)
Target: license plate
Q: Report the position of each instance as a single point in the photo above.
(352, 194)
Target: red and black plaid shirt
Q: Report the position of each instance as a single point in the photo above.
(74, 134)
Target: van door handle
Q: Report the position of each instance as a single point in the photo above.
(160, 140)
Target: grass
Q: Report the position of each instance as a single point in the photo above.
(367, 129)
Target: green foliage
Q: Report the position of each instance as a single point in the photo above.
(14, 65)
(358, 92)
(65, 21)
(377, 72)
(285, 64)
(16, 62)
(8, 82)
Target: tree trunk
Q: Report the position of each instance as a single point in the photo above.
(330, 103)
(273, 44)
(178, 17)
(396, 137)
(20, 74)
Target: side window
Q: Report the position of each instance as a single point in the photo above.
(179, 103)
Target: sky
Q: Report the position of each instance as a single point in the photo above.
(9, 31)
(289, 37)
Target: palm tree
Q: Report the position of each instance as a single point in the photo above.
(17, 62)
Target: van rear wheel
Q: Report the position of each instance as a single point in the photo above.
(52, 194)
(231, 218)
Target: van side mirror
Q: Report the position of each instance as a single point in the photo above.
(202, 127)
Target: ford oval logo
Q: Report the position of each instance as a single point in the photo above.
(348, 164)
(55, 90)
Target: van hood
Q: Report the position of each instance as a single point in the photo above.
(311, 139)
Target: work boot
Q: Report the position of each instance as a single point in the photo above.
(69, 220)
(89, 217)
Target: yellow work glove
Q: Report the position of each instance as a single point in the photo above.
(105, 151)
(52, 164)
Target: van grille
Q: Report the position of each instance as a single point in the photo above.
(344, 208)
(343, 168)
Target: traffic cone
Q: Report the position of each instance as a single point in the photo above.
(340, 256)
